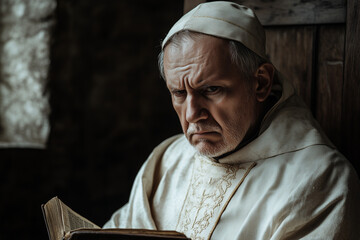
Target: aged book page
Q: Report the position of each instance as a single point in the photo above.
(73, 220)
(65, 224)
(61, 219)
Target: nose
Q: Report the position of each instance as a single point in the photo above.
(195, 109)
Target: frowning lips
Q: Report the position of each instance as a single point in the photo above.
(202, 129)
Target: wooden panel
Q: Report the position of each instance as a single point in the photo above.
(351, 90)
(294, 12)
(329, 85)
(290, 49)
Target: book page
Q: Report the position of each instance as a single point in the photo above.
(73, 220)
(64, 223)
(53, 219)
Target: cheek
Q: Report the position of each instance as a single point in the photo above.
(231, 113)
(224, 109)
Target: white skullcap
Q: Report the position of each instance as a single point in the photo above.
(225, 20)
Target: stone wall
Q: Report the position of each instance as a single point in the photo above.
(109, 109)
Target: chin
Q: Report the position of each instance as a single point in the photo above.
(210, 149)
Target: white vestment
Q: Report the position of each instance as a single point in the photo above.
(288, 183)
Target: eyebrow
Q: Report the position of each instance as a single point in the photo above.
(175, 90)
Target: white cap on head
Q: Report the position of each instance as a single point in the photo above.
(225, 20)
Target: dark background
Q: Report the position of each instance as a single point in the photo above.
(110, 108)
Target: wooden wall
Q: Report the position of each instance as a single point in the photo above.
(316, 46)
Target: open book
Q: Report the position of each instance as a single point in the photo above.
(64, 223)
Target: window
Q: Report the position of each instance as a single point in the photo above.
(24, 65)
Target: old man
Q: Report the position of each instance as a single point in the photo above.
(252, 163)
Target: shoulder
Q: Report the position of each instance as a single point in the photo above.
(316, 177)
(304, 188)
(329, 170)
(317, 164)
(306, 177)
(316, 159)
(324, 186)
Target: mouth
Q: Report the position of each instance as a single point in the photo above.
(204, 136)
(203, 133)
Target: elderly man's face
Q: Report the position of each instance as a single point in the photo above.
(216, 107)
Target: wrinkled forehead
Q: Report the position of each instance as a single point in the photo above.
(204, 58)
(186, 47)
(196, 45)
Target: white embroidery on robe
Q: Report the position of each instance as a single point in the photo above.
(210, 186)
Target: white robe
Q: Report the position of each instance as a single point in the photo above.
(288, 183)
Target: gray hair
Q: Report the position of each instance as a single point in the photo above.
(246, 60)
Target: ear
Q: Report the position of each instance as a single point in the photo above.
(264, 79)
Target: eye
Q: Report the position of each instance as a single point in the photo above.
(212, 89)
(178, 93)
